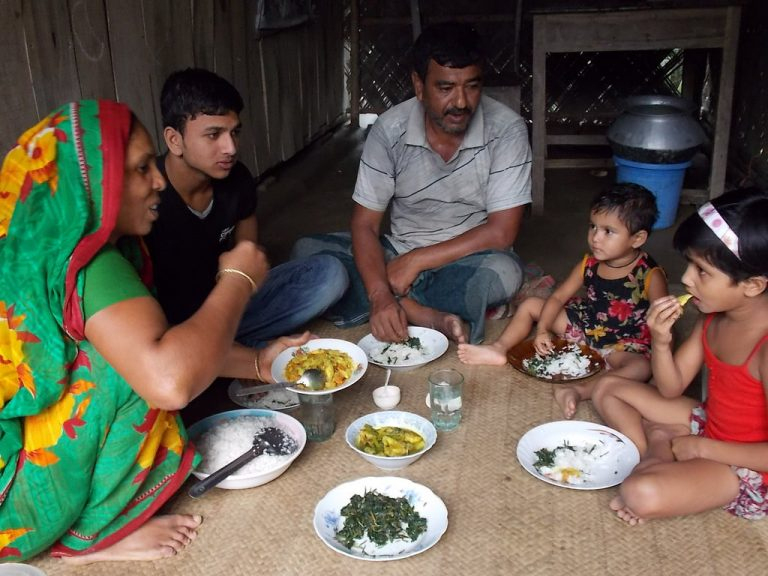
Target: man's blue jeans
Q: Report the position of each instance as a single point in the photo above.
(466, 287)
(293, 294)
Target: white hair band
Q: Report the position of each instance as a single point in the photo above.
(719, 226)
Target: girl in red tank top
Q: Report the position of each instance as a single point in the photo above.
(698, 456)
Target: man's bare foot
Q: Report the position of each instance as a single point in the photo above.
(492, 354)
(453, 327)
(624, 513)
(568, 399)
(449, 324)
(159, 537)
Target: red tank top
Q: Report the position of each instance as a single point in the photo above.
(736, 405)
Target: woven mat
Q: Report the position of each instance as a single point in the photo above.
(501, 520)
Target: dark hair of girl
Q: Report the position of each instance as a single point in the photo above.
(633, 204)
(746, 212)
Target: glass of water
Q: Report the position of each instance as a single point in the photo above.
(318, 416)
(445, 398)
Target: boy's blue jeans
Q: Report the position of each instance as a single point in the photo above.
(293, 294)
(466, 287)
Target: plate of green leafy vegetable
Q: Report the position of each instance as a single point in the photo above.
(422, 346)
(380, 518)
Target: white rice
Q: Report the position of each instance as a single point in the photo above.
(231, 438)
(569, 362)
(392, 354)
(572, 464)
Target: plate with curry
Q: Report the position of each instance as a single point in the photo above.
(343, 363)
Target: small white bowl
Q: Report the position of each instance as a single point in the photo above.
(392, 418)
(237, 481)
(386, 397)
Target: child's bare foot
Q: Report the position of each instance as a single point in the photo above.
(568, 399)
(159, 537)
(624, 513)
(492, 354)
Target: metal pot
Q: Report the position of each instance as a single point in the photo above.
(656, 130)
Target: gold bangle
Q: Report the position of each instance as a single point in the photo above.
(239, 273)
(256, 366)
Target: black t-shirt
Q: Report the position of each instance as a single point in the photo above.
(185, 248)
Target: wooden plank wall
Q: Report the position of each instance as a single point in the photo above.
(55, 51)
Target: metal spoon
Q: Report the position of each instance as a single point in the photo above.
(312, 379)
(270, 440)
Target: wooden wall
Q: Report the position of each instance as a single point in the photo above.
(55, 51)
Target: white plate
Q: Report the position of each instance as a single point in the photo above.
(271, 400)
(434, 342)
(620, 453)
(328, 517)
(358, 357)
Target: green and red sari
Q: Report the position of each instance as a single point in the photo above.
(84, 460)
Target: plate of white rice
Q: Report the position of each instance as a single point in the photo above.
(423, 346)
(577, 454)
(568, 361)
(223, 437)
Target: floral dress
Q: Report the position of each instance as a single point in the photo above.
(612, 314)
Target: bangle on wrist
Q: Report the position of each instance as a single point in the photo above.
(256, 366)
(239, 273)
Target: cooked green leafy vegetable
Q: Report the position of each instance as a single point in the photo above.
(381, 518)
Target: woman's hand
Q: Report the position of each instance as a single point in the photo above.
(249, 259)
(268, 354)
(542, 343)
(661, 315)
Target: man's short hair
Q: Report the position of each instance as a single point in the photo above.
(450, 44)
(187, 93)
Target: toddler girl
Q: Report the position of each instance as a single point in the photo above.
(620, 281)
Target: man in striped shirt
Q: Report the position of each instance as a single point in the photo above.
(453, 168)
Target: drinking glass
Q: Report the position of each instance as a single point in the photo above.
(317, 415)
(445, 398)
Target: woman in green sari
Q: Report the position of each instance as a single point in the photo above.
(91, 375)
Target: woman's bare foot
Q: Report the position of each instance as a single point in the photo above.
(159, 537)
(492, 354)
(568, 399)
(624, 513)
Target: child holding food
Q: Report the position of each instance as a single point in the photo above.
(620, 281)
(698, 456)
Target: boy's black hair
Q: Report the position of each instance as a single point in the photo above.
(746, 212)
(187, 93)
(634, 205)
(450, 44)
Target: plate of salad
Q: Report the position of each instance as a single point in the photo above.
(380, 518)
(577, 454)
(422, 346)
